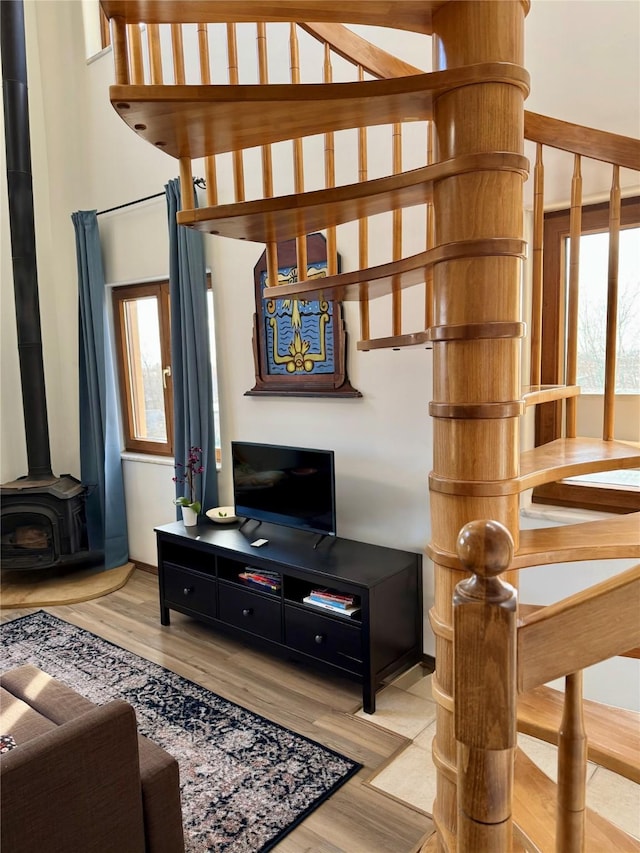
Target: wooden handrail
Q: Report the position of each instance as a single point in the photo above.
(354, 48)
(595, 144)
(589, 627)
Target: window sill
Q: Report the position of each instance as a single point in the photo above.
(130, 456)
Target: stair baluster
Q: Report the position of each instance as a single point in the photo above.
(298, 160)
(177, 48)
(120, 56)
(572, 767)
(155, 56)
(205, 78)
(612, 308)
(574, 276)
(135, 55)
(430, 241)
(237, 156)
(330, 170)
(363, 228)
(396, 306)
(537, 255)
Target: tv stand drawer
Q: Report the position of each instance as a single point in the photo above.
(250, 611)
(324, 638)
(190, 589)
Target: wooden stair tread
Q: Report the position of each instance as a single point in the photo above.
(609, 538)
(534, 815)
(605, 539)
(410, 339)
(285, 217)
(395, 275)
(564, 457)
(534, 394)
(414, 15)
(195, 121)
(613, 733)
(569, 457)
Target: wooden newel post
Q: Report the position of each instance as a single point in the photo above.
(484, 623)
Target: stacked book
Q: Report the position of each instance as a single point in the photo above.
(260, 579)
(336, 602)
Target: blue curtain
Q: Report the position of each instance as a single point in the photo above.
(100, 467)
(190, 359)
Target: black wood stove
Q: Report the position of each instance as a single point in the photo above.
(42, 516)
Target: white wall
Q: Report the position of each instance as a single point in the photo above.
(86, 158)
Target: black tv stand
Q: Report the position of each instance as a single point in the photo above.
(246, 521)
(199, 574)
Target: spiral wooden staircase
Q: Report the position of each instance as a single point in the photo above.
(470, 186)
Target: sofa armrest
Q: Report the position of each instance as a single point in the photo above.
(76, 787)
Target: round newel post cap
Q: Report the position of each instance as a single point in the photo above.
(485, 547)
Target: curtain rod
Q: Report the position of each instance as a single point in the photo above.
(197, 182)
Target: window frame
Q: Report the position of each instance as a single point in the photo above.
(549, 416)
(120, 296)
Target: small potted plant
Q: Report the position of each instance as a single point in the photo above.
(187, 474)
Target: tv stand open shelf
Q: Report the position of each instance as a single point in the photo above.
(198, 570)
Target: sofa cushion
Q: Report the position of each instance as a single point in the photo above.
(19, 719)
(53, 699)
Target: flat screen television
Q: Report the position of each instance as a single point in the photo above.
(292, 486)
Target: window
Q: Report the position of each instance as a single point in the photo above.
(611, 491)
(142, 330)
(142, 326)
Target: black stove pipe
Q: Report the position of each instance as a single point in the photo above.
(23, 237)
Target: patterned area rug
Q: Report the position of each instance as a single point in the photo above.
(246, 782)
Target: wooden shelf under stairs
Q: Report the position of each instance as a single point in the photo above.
(534, 815)
(285, 217)
(613, 733)
(194, 121)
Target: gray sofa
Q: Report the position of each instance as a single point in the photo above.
(80, 779)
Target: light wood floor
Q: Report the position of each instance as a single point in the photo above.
(357, 818)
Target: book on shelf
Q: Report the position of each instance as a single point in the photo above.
(325, 605)
(261, 580)
(337, 599)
